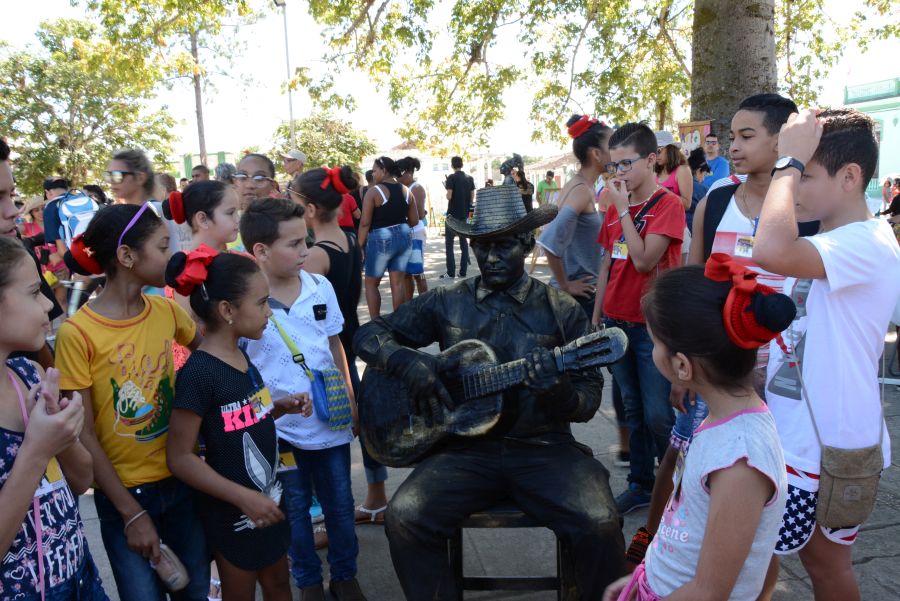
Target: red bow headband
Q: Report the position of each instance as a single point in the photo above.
(333, 177)
(754, 313)
(195, 269)
(84, 256)
(176, 206)
(582, 125)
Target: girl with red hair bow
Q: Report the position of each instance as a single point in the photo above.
(116, 352)
(722, 521)
(220, 395)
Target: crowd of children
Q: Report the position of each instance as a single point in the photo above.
(766, 344)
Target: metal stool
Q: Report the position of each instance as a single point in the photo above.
(507, 515)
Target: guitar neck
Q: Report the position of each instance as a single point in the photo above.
(494, 379)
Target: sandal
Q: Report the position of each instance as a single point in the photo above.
(364, 515)
(320, 536)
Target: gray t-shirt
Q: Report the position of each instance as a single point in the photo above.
(675, 551)
(573, 237)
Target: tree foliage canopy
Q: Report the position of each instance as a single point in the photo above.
(67, 107)
(326, 140)
(617, 58)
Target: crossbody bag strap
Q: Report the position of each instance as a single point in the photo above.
(296, 355)
(793, 358)
(35, 504)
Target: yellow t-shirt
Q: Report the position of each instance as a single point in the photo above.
(128, 367)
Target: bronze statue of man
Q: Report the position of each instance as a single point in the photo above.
(530, 457)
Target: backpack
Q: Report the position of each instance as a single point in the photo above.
(76, 209)
(716, 205)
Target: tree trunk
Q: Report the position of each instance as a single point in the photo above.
(198, 97)
(733, 57)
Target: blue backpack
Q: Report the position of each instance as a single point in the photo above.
(76, 209)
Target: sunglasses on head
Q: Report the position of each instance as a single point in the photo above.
(116, 177)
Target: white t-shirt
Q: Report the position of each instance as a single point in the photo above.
(283, 377)
(839, 337)
(673, 555)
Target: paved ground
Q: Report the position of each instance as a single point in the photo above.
(532, 551)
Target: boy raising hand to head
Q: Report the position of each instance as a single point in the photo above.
(845, 282)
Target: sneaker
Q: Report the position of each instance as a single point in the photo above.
(638, 547)
(446, 276)
(346, 590)
(313, 593)
(315, 511)
(623, 459)
(633, 498)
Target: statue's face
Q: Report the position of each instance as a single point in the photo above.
(502, 260)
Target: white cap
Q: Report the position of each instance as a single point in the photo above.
(294, 154)
(664, 138)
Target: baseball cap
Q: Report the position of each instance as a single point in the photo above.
(294, 154)
(53, 183)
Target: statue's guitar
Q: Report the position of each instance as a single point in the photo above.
(395, 437)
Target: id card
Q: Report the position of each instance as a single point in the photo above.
(620, 250)
(743, 246)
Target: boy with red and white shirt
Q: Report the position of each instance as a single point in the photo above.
(845, 282)
(642, 236)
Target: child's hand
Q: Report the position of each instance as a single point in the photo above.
(615, 589)
(262, 510)
(296, 403)
(618, 194)
(49, 387)
(800, 136)
(49, 434)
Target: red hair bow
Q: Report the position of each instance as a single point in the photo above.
(582, 125)
(741, 321)
(176, 206)
(84, 256)
(333, 177)
(195, 269)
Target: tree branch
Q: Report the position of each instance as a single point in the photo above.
(587, 24)
(663, 22)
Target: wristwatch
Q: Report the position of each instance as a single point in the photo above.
(623, 214)
(785, 162)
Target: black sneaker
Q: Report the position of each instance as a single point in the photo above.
(446, 276)
(633, 498)
(623, 459)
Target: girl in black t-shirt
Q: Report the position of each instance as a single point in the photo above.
(220, 394)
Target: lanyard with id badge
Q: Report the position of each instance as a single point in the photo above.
(620, 247)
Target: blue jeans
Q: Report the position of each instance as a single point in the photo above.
(686, 423)
(645, 395)
(388, 249)
(329, 470)
(171, 505)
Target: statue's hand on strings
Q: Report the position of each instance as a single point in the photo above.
(420, 373)
(544, 377)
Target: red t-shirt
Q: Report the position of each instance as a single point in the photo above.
(348, 205)
(622, 299)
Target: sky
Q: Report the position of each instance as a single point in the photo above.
(244, 109)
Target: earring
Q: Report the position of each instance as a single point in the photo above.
(231, 322)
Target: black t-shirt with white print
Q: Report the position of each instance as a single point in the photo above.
(241, 445)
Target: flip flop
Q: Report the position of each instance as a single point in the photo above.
(364, 515)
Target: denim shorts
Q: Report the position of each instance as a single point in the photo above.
(388, 249)
(686, 423)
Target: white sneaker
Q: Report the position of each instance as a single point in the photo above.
(446, 276)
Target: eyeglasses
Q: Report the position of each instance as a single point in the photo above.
(711, 142)
(624, 165)
(256, 179)
(116, 177)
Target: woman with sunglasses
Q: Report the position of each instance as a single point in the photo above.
(133, 182)
(255, 178)
(385, 234)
